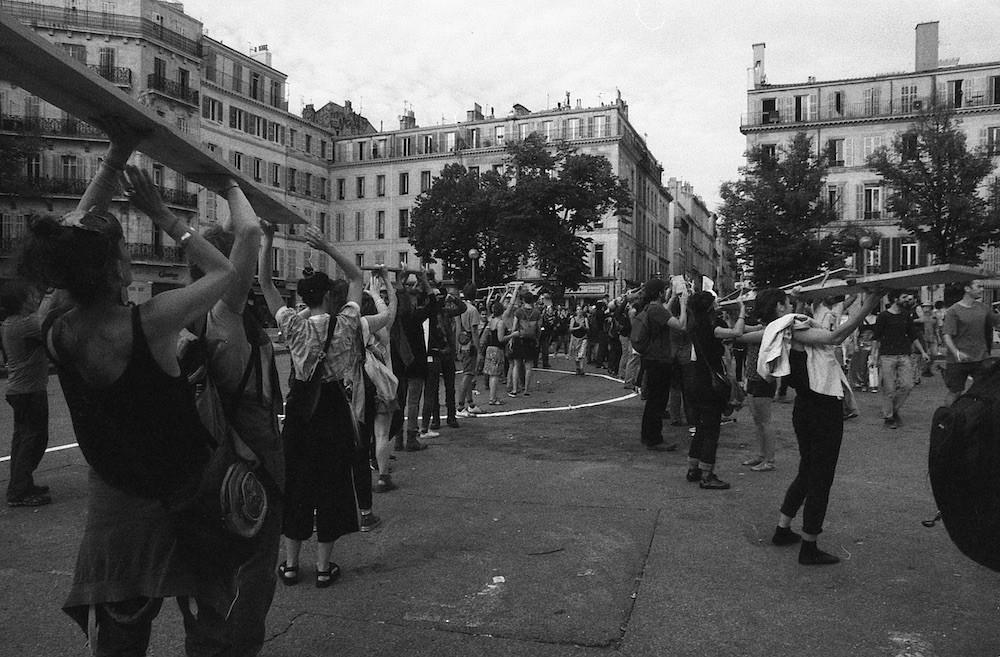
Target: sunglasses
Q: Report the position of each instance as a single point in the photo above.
(93, 222)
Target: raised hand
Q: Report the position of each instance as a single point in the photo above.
(146, 197)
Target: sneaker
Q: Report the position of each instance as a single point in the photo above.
(763, 466)
(31, 499)
(435, 426)
(429, 433)
(39, 490)
(889, 423)
(369, 521)
(453, 423)
(711, 482)
(727, 420)
(810, 555)
(384, 485)
(526, 394)
(475, 410)
(850, 416)
(754, 461)
(414, 445)
(693, 475)
(692, 430)
(512, 394)
(464, 414)
(662, 447)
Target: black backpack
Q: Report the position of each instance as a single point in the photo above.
(964, 468)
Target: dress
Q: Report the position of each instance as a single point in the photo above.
(493, 364)
(320, 436)
(134, 546)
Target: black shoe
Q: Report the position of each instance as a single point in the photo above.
(810, 555)
(398, 444)
(453, 423)
(662, 447)
(384, 484)
(434, 426)
(693, 475)
(325, 578)
(39, 490)
(711, 482)
(414, 445)
(889, 423)
(30, 500)
(785, 536)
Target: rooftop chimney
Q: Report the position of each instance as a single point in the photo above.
(927, 47)
(407, 120)
(759, 77)
(261, 54)
(474, 114)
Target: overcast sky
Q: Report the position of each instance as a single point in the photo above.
(680, 65)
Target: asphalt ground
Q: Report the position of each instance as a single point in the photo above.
(557, 533)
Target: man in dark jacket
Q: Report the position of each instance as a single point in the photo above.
(656, 320)
(409, 358)
(441, 347)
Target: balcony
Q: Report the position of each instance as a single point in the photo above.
(118, 75)
(179, 197)
(104, 22)
(36, 125)
(237, 85)
(847, 112)
(29, 186)
(154, 253)
(172, 89)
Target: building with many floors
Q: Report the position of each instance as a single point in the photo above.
(849, 119)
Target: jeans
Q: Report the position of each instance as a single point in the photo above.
(896, 382)
(681, 394)
(707, 405)
(30, 439)
(628, 366)
(437, 369)
(818, 422)
(657, 388)
(614, 356)
(411, 399)
(544, 344)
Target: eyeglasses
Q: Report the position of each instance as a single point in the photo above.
(93, 222)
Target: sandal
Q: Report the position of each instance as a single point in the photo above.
(289, 574)
(763, 466)
(754, 461)
(325, 578)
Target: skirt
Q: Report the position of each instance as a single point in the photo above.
(494, 362)
(578, 347)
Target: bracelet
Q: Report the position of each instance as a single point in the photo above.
(230, 187)
(185, 237)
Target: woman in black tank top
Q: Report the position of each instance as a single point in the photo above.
(132, 411)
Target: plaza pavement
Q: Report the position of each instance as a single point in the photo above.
(556, 534)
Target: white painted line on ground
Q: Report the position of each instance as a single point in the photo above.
(58, 448)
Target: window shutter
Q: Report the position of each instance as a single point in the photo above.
(884, 248)
(206, 103)
(232, 116)
(859, 201)
(282, 128)
(813, 107)
(289, 179)
(785, 110)
(248, 123)
(984, 138)
(895, 250)
(278, 172)
(590, 127)
(942, 93)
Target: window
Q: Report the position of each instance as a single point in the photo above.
(498, 134)
(238, 78)
(836, 104)
(238, 160)
(449, 141)
(32, 106)
(322, 223)
(322, 148)
(76, 51)
(993, 141)
(474, 138)
(260, 127)
(769, 151)
(361, 146)
(341, 188)
(69, 170)
(598, 260)
(360, 186)
(522, 131)
(275, 175)
(908, 98)
(236, 118)
(404, 183)
(339, 227)
(868, 146)
(404, 258)
(425, 181)
(255, 87)
(380, 185)
(379, 148)
(182, 124)
(873, 101)
(404, 223)
(428, 143)
(407, 146)
(573, 129)
(769, 111)
(380, 224)
(910, 147)
(292, 138)
(873, 202)
(908, 254)
(379, 258)
(834, 198)
(258, 169)
(804, 108)
(359, 259)
(324, 186)
(277, 262)
(276, 94)
(157, 173)
(309, 144)
(474, 171)
(993, 90)
(547, 130)
(835, 152)
(600, 126)
(34, 166)
(359, 226)
(293, 180)
(498, 169)
(183, 78)
(955, 93)
(211, 109)
(307, 184)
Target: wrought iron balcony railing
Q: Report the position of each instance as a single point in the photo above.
(173, 89)
(44, 126)
(154, 252)
(119, 75)
(179, 197)
(43, 186)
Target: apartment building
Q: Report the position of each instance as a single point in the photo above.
(849, 119)
(693, 239)
(377, 177)
(150, 50)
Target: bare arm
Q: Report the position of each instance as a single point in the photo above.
(679, 323)
(949, 342)
(386, 314)
(738, 328)
(167, 313)
(752, 337)
(820, 336)
(355, 277)
(265, 272)
(247, 231)
(102, 188)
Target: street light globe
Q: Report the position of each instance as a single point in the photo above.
(473, 254)
(865, 242)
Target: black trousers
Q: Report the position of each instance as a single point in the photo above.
(30, 439)
(657, 389)
(818, 421)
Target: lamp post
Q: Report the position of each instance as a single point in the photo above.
(474, 257)
(618, 267)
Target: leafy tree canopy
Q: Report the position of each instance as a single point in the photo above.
(935, 184)
(775, 211)
(537, 212)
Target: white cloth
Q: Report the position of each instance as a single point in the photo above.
(826, 377)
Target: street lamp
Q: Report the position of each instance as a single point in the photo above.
(618, 270)
(474, 257)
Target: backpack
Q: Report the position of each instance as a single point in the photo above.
(964, 468)
(529, 325)
(641, 336)
(623, 326)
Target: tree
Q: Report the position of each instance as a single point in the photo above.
(775, 211)
(934, 184)
(538, 212)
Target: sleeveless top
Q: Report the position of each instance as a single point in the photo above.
(141, 434)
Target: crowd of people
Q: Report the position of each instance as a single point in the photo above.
(368, 360)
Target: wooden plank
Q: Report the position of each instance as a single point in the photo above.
(31, 62)
(841, 274)
(910, 278)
